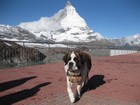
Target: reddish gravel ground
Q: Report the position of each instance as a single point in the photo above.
(114, 81)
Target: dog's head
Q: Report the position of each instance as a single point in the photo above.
(73, 62)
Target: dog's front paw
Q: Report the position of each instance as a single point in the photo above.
(72, 99)
(77, 96)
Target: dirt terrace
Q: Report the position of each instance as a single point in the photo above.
(113, 81)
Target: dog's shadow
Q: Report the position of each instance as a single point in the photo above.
(94, 82)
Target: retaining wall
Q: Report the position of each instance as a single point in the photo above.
(121, 52)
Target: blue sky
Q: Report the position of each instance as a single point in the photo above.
(111, 18)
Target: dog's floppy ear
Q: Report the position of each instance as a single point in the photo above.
(82, 56)
(65, 58)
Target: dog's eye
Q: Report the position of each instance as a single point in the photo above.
(75, 59)
(70, 58)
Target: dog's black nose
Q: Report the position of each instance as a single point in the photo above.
(70, 65)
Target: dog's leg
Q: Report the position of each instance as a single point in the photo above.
(69, 89)
(84, 78)
(78, 92)
(87, 78)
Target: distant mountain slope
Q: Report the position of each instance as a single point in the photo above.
(133, 40)
(15, 33)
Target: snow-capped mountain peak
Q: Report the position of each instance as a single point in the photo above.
(72, 18)
(68, 3)
(69, 7)
(65, 25)
(67, 17)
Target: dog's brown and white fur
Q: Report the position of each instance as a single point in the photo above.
(77, 61)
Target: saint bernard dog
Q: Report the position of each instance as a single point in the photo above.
(77, 67)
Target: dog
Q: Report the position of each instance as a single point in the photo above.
(77, 65)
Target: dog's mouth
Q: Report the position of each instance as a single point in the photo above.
(73, 73)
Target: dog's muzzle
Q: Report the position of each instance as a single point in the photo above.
(70, 65)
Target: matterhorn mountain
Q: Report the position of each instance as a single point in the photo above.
(64, 26)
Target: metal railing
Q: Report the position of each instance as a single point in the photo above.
(14, 55)
(23, 53)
